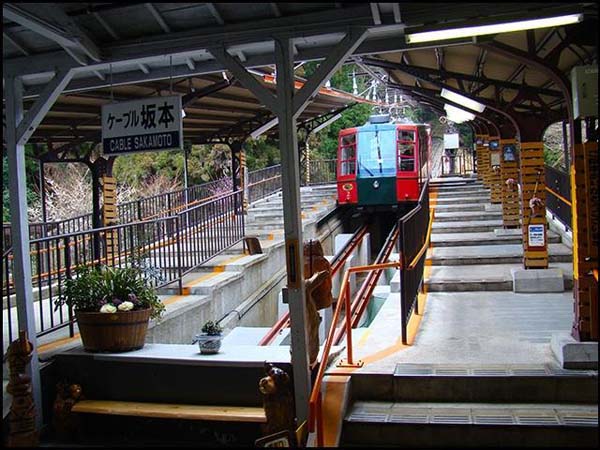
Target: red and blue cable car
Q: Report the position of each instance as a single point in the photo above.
(382, 163)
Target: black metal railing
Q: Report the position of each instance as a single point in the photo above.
(460, 164)
(412, 243)
(170, 246)
(558, 195)
(263, 182)
(320, 171)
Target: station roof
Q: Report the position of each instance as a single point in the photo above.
(134, 49)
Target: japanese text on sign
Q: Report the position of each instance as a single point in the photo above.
(142, 125)
(536, 236)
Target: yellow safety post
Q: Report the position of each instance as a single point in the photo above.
(584, 198)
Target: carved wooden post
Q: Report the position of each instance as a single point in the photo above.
(22, 409)
(509, 175)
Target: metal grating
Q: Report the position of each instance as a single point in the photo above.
(463, 371)
(367, 417)
(529, 372)
(581, 421)
(494, 420)
(491, 372)
(451, 418)
(409, 418)
(538, 420)
(413, 369)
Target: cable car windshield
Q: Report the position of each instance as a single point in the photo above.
(376, 153)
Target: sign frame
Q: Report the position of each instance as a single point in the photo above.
(536, 235)
(144, 125)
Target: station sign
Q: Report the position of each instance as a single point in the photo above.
(144, 125)
(451, 140)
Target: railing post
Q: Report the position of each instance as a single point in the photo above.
(68, 275)
(348, 322)
(402, 282)
(179, 267)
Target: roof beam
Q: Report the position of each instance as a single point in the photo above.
(106, 26)
(275, 9)
(42, 105)
(239, 71)
(215, 13)
(416, 70)
(157, 16)
(328, 67)
(396, 9)
(375, 13)
(66, 33)
(9, 38)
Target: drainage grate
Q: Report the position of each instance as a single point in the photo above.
(409, 369)
(452, 371)
(451, 418)
(582, 421)
(538, 420)
(529, 372)
(367, 417)
(494, 420)
(409, 418)
(491, 372)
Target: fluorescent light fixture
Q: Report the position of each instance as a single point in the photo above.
(507, 27)
(182, 113)
(267, 126)
(457, 115)
(462, 100)
(327, 122)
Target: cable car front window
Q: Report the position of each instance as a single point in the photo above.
(377, 153)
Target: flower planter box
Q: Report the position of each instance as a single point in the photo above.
(122, 331)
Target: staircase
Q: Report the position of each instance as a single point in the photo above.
(480, 371)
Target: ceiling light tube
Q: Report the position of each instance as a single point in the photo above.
(507, 27)
(462, 100)
(458, 113)
(267, 126)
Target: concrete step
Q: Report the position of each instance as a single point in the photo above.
(459, 187)
(457, 216)
(203, 283)
(473, 226)
(492, 254)
(482, 277)
(497, 383)
(463, 193)
(430, 425)
(453, 207)
(483, 238)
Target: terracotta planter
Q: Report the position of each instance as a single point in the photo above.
(113, 332)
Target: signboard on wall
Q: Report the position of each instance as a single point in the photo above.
(509, 152)
(536, 236)
(148, 124)
(451, 140)
(495, 158)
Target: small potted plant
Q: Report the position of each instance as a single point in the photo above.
(112, 305)
(210, 338)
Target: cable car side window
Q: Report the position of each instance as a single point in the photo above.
(406, 150)
(348, 154)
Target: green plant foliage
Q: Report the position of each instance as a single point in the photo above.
(93, 287)
(32, 180)
(212, 328)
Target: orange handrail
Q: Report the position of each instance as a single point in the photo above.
(557, 195)
(284, 321)
(316, 415)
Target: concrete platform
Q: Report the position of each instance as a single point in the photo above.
(482, 238)
(572, 354)
(489, 254)
(484, 277)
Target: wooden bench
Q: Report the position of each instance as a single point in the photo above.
(172, 411)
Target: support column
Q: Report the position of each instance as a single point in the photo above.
(20, 232)
(479, 155)
(244, 178)
(290, 181)
(584, 197)
(494, 173)
(509, 170)
(532, 181)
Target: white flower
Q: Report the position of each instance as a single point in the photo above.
(125, 306)
(108, 308)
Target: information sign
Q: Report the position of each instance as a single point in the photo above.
(536, 236)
